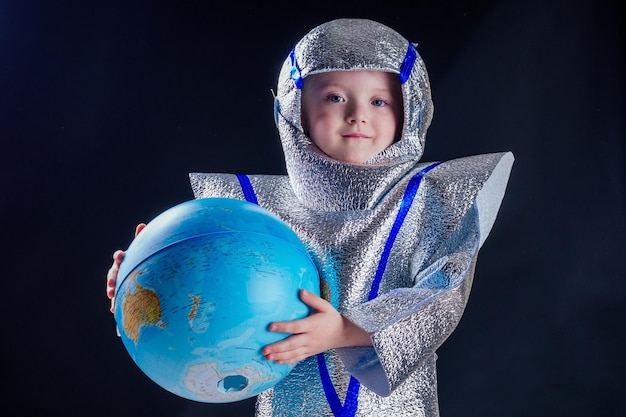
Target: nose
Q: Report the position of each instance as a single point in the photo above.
(356, 113)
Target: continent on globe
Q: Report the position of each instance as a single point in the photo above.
(141, 307)
(202, 379)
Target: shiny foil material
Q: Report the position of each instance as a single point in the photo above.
(344, 45)
(344, 214)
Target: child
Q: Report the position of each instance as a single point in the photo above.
(395, 240)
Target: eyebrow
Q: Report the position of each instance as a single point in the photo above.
(320, 86)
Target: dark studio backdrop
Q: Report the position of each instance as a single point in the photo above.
(106, 106)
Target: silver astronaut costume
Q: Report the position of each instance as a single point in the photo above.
(395, 240)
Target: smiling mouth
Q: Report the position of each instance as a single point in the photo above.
(355, 136)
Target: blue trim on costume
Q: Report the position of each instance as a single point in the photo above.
(407, 64)
(348, 409)
(248, 190)
(351, 403)
(327, 384)
(296, 75)
(405, 205)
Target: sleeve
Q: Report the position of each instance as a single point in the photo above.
(409, 324)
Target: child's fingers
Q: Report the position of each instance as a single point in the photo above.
(287, 357)
(290, 350)
(314, 301)
(293, 327)
(118, 255)
(111, 279)
(139, 228)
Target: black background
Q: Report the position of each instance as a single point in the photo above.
(106, 106)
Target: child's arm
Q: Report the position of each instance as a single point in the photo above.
(324, 329)
(409, 324)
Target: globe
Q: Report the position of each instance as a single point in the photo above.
(197, 290)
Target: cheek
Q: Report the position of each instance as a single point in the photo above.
(391, 130)
(318, 122)
(395, 126)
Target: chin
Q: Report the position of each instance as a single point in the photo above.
(352, 161)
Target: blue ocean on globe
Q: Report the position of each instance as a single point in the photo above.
(197, 290)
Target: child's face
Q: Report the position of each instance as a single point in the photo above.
(352, 115)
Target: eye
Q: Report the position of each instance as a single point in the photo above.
(379, 102)
(335, 98)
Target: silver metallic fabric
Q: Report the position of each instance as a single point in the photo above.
(344, 45)
(345, 214)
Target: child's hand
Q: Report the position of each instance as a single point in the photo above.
(324, 329)
(118, 255)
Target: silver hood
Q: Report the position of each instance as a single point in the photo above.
(320, 182)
